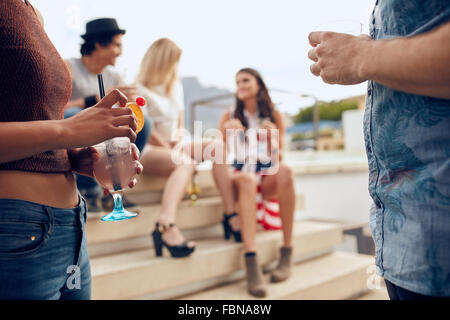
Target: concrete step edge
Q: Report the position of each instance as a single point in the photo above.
(297, 285)
(213, 258)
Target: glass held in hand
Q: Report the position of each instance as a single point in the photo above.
(115, 170)
(352, 27)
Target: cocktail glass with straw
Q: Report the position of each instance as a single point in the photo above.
(115, 169)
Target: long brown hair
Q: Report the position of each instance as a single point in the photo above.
(264, 102)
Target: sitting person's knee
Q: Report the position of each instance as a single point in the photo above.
(245, 180)
(285, 175)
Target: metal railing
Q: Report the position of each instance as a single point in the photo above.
(213, 103)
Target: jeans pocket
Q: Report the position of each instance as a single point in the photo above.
(20, 239)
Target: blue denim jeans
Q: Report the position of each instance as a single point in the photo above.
(87, 183)
(43, 254)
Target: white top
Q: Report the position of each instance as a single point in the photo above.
(253, 119)
(85, 83)
(162, 109)
(242, 150)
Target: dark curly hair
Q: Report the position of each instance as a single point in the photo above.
(265, 104)
(102, 39)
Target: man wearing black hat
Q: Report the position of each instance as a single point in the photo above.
(102, 46)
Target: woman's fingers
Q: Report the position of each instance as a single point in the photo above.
(128, 120)
(132, 183)
(115, 96)
(125, 131)
(121, 112)
(235, 124)
(135, 151)
(95, 155)
(139, 168)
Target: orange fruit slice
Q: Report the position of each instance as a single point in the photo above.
(137, 111)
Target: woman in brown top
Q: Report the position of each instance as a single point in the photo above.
(43, 248)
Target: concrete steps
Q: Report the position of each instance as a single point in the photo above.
(139, 273)
(206, 212)
(146, 182)
(380, 294)
(113, 237)
(124, 266)
(149, 189)
(335, 276)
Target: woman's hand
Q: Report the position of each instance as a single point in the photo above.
(137, 164)
(234, 124)
(100, 123)
(129, 90)
(268, 125)
(83, 160)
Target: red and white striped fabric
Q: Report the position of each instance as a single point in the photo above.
(267, 211)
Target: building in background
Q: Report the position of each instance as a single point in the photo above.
(340, 126)
(352, 124)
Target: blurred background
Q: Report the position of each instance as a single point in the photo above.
(324, 141)
(218, 38)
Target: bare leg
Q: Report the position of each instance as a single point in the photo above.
(222, 178)
(246, 185)
(215, 151)
(158, 161)
(281, 186)
(286, 197)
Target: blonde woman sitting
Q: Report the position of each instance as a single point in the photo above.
(158, 82)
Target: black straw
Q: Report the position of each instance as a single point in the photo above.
(110, 148)
(101, 86)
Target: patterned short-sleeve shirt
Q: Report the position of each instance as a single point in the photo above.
(408, 146)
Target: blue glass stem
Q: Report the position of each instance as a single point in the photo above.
(118, 205)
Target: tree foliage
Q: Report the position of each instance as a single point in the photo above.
(327, 111)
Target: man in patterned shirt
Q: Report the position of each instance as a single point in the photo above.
(407, 134)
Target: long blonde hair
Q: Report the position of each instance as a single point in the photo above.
(158, 67)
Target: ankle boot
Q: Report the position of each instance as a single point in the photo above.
(255, 280)
(283, 270)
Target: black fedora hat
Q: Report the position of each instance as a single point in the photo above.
(102, 26)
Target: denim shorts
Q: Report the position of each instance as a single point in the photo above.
(43, 254)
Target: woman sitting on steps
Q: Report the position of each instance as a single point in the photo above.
(158, 82)
(254, 110)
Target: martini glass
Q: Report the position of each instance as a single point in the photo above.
(114, 171)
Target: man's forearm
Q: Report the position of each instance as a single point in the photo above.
(25, 139)
(418, 65)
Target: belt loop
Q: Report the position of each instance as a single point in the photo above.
(82, 209)
(51, 219)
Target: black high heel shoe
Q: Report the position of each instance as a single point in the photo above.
(178, 251)
(228, 231)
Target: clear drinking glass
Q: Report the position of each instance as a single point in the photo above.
(352, 27)
(114, 171)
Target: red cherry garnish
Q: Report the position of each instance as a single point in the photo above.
(140, 101)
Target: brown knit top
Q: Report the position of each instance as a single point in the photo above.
(35, 82)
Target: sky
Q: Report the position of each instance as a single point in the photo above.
(218, 37)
